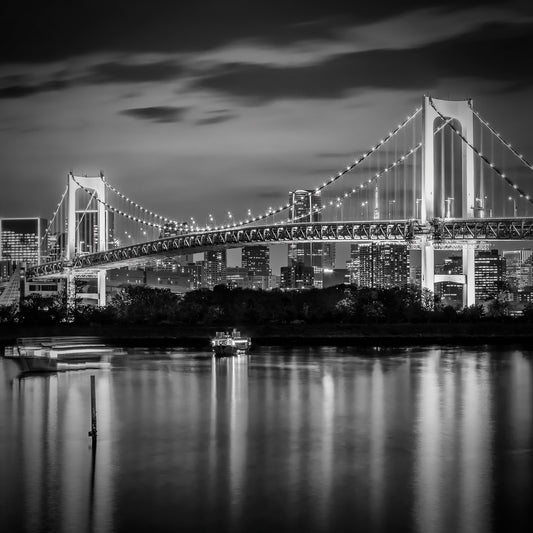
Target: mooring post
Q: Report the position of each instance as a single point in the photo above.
(92, 433)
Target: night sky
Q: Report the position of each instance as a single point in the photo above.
(202, 107)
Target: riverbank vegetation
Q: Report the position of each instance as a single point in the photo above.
(343, 304)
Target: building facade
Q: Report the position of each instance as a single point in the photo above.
(305, 206)
(379, 265)
(214, 268)
(296, 276)
(518, 269)
(490, 274)
(23, 240)
(256, 260)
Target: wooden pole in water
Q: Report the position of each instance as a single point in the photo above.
(92, 433)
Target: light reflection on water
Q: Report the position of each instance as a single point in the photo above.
(426, 440)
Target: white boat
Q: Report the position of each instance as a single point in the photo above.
(52, 354)
(230, 343)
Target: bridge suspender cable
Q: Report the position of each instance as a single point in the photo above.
(483, 157)
(508, 145)
(118, 211)
(284, 207)
(52, 220)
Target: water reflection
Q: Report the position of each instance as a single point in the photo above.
(306, 439)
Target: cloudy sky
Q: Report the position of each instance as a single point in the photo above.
(207, 106)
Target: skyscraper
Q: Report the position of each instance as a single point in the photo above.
(214, 268)
(450, 292)
(518, 268)
(382, 265)
(296, 276)
(256, 260)
(490, 274)
(305, 207)
(22, 240)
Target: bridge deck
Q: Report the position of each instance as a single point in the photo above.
(439, 230)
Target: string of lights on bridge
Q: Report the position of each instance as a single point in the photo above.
(270, 212)
(508, 145)
(54, 215)
(484, 158)
(118, 211)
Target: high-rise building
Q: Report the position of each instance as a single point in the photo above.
(305, 206)
(382, 265)
(6, 269)
(23, 240)
(237, 277)
(214, 268)
(518, 268)
(296, 276)
(490, 274)
(256, 260)
(450, 292)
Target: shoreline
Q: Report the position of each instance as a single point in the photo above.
(476, 333)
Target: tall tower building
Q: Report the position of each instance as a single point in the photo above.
(22, 240)
(379, 265)
(256, 260)
(305, 206)
(518, 268)
(214, 268)
(490, 274)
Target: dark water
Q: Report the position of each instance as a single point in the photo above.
(426, 440)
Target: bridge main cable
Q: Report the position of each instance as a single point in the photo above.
(330, 181)
(508, 145)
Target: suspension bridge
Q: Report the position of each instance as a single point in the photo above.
(443, 178)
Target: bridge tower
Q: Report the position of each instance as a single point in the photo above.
(432, 207)
(98, 225)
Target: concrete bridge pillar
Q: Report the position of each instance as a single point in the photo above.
(469, 289)
(433, 207)
(427, 265)
(97, 186)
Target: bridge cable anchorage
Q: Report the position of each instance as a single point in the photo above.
(135, 204)
(522, 193)
(118, 211)
(338, 203)
(508, 145)
(47, 230)
(331, 179)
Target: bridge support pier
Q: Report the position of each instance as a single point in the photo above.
(427, 251)
(469, 289)
(101, 280)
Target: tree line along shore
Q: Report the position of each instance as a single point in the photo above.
(338, 315)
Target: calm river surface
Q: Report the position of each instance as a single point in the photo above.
(319, 439)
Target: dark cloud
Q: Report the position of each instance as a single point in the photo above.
(49, 31)
(495, 52)
(115, 72)
(161, 114)
(23, 90)
(215, 119)
(110, 72)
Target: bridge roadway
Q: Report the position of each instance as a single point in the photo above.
(438, 230)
